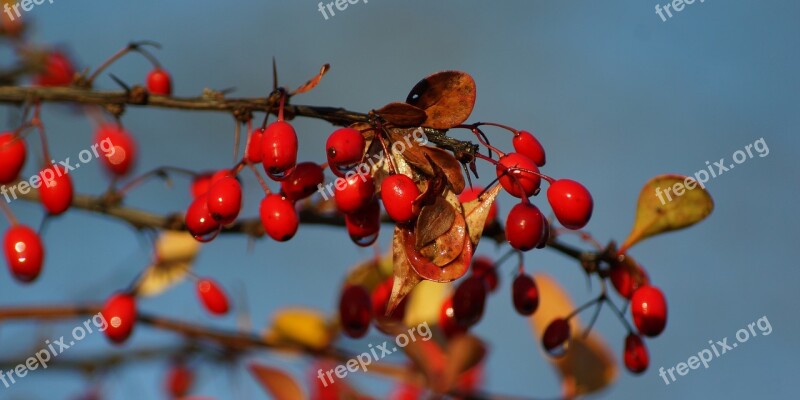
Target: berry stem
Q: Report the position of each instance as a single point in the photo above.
(379, 135)
(282, 104)
(37, 122)
(506, 127)
(8, 213)
(161, 172)
(261, 180)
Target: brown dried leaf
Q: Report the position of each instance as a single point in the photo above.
(402, 114)
(448, 246)
(277, 383)
(477, 211)
(425, 268)
(405, 279)
(415, 154)
(447, 97)
(434, 220)
(313, 82)
(463, 353)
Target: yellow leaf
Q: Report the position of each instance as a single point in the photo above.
(303, 327)
(277, 383)
(477, 211)
(661, 209)
(174, 254)
(425, 302)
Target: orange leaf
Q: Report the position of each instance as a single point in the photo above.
(402, 114)
(447, 97)
(277, 383)
(313, 82)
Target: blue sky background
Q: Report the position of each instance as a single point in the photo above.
(615, 95)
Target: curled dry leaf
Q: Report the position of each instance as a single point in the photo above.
(434, 220)
(654, 217)
(301, 327)
(446, 247)
(174, 254)
(313, 82)
(402, 114)
(424, 158)
(405, 278)
(278, 384)
(477, 211)
(447, 97)
(426, 269)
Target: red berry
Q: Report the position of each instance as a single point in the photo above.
(200, 185)
(179, 380)
(279, 217)
(364, 225)
(199, 221)
(635, 355)
(447, 320)
(353, 192)
(627, 277)
(398, 193)
(527, 145)
(355, 311)
(24, 252)
(119, 149)
(225, 200)
(119, 312)
(471, 193)
(484, 268)
(380, 300)
(556, 337)
(254, 152)
(213, 297)
(279, 150)
(57, 70)
(159, 82)
(345, 148)
(303, 182)
(516, 171)
(469, 300)
(525, 294)
(571, 203)
(525, 226)
(55, 191)
(649, 310)
(12, 157)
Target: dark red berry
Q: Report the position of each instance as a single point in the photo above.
(447, 320)
(55, 191)
(627, 277)
(571, 203)
(119, 312)
(199, 221)
(556, 337)
(159, 82)
(279, 217)
(12, 157)
(518, 175)
(179, 380)
(364, 225)
(472, 193)
(303, 182)
(525, 226)
(635, 354)
(355, 311)
(527, 145)
(649, 310)
(353, 192)
(57, 70)
(345, 148)
(469, 300)
(380, 300)
(279, 150)
(483, 267)
(225, 200)
(254, 152)
(24, 252)
(119, 149)
(525, 294)
(212, 296)
(398, 193)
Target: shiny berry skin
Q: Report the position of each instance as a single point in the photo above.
(469, 300)
(118, 147)
(513, 179)
(279, 150)
(159, 82)
(527, 145)
(626, 278)
(525, 294)
(345, 148)
(179, 380)
(24, 253)
(353, 192)
(119, 312)
(212, 296)
(398, 193)
(57, 71)
(254, 152)
(200, 185)
(447, 320)
(12, 157)
(380, 300)
(635, 354)
(649, 310)
(303, 182)
(364, 225)
(355, 311)
(472, 193)
(279, 217)
(483, 267)
(571, 203)
(525, 226)
(55, 191)
(199, 221)
(556, 337)
(225, 200)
